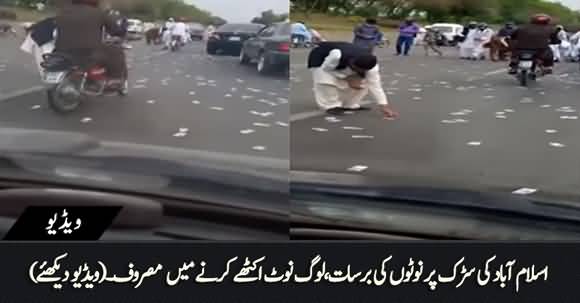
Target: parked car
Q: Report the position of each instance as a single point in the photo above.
(197, 31)
(449, 32)
(135, 30)
(230, 37)
(270, 49)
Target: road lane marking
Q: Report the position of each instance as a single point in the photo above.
(20, 93)
(495, 72)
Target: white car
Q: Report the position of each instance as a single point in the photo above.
(135, 30)
(449, 31)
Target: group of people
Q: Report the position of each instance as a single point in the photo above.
(174, 30)
(345, 73)
(569, 48)
(475, 39)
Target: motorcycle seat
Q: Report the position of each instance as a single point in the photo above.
(56, 61)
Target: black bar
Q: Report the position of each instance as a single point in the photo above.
(552, 266)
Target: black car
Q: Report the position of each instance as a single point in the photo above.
(270, 48)
(229, 38)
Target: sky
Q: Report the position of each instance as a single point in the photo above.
(574, 4)
(241, 10)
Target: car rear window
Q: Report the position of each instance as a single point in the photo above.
(285, 29)
(249, 28)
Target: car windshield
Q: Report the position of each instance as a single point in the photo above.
(246, 28)
(156, 112)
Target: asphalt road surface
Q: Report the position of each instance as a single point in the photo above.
(185, 99)
(462, 124)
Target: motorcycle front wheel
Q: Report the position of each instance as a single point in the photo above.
(64, 97)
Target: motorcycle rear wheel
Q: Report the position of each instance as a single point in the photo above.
(59, 102)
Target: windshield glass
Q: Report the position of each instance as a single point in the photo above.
(439, 115)
(169, 106)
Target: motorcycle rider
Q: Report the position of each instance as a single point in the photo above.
(179, 31)
(80, 34)
(300, 34)
(536, 36)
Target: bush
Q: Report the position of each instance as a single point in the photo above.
(7, 15)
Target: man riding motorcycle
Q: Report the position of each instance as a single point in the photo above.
(536, 36)
(179, 31)
(80, 35)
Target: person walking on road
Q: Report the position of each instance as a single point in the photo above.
(166, 31)
(40, 40)
(343, 75)
(367, 34)
(468, 45)
(430, 42)
(407, 33)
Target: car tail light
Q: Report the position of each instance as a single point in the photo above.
(284, 47)
(97, 73)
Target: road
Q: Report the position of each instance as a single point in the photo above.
(465, 125)
(185, 100)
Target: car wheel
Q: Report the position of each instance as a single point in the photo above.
(244, 59)
(211, 50)
(263, 65)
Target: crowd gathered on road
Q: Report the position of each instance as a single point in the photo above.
(345, 72)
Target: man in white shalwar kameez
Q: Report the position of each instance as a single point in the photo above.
(575, 46)
(467, 47)
(343, 75)
(166, 32)
(482, 37)
(180, 29)
(45, 33)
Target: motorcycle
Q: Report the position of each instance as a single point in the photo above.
(69, 82)
(299, 41)
(527, 66)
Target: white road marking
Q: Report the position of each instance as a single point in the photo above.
(495, 72)
(524, 191)
(358, 168)
(20, 93)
